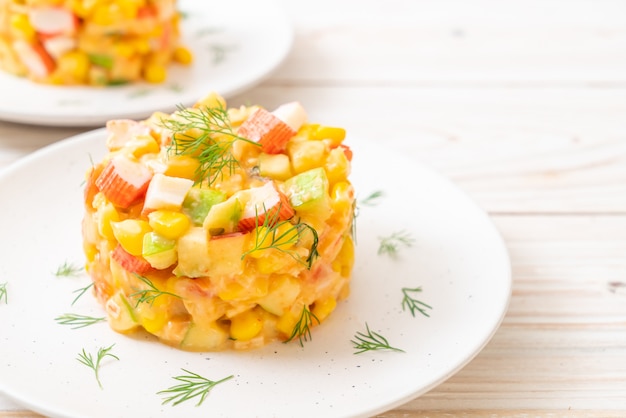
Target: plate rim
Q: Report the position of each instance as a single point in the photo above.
(94, 119)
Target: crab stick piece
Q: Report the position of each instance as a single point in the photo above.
(34, 57)
(90, 184)
(293, 114)
(52, 21)
(267, 130)
(123, 181)
(165, 192)
(59, 45)
(265, 202)
(129, 262)
(273, 130)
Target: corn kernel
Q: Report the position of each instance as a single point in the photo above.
(342, 196)
(74, 65)
(129, 233)
(286, 323)
(346, 256)
(141, 45)
(337, 166)
(124, 49)
(183, 166)
(141, 145)
(154, 73)
(231, 291)
(153, 316)
(323, 308)
(21, 27)
(246, 325)
(106, 215)
(182, 55)
(334, 135)
(169, 224)
(106, 14)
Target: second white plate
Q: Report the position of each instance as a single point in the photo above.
(235, 45)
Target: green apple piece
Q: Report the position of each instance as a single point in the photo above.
(202, 337)
(159, 251)
(282, 292)
(199, 201)
(308, 193)
(223, 217)
(193, 253)
(121, 314)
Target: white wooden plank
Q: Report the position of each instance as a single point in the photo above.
(513, 150)
(489, 41)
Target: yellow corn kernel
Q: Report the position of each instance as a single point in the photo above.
(246, 325)
(182, 55)
(141, 45)
(124, 49)
(154, 315)
(154, 73)
(337, 166)
(334, 135)
(169, 224)
(91, 251)
(306, 155)
(342, 198)
(211, 100)
(323, 308)
(106, 14)
(286, 323)
(141, 145)
(21, 27)
(106, 215)
(128, 9)
(129, 233)
(346, 256)
(74, 65)
(183, 166)
(231, 291)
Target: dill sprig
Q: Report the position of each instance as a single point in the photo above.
(371, 341)
(206, 134)
(151, 294)
(77, 320)
(391, 245)
(87, 359)
(3, 292)
(193, 385)
(412, 304)
(271, 235)
(81, 292)
(372, 199)
(302, 329)
(68, 269)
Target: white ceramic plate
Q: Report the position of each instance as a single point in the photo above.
(235, 43)
(457, 258)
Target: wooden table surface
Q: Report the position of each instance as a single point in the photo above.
(523, 105)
